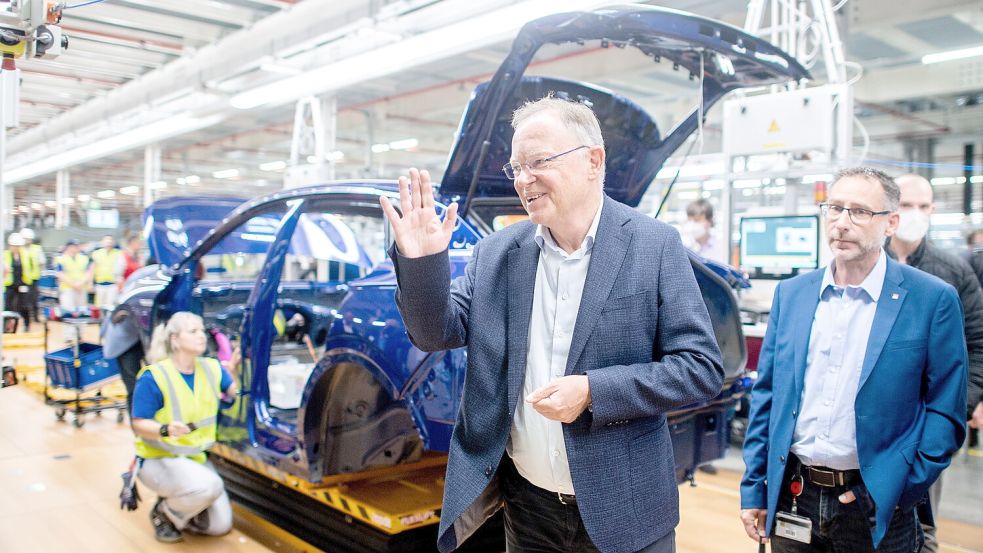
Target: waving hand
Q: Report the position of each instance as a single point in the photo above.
(419, 232)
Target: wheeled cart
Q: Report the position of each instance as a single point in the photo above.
(80, 368)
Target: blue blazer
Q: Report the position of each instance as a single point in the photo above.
(642, 337)
(911, 401)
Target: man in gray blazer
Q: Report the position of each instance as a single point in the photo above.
(584, 327)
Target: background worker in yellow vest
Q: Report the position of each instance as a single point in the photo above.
(18, 273)
(74, 277)
(175, 404)
(107, 272)
(36, 252)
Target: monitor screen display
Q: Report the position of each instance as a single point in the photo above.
(780, 244)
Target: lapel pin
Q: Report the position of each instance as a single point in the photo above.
(895, 296)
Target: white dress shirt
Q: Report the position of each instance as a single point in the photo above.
(826, 430)
(536, 443)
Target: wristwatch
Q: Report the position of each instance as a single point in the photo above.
(163, 430)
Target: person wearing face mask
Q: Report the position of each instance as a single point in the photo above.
(697, 233)
(910, 246)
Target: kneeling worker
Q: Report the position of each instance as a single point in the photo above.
(175, 403)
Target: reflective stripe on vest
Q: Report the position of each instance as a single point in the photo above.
(196, 408)
(105, 262)
(27, 267)
(73, 268)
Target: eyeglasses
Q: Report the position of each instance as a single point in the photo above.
(858, 215)
(513, 169)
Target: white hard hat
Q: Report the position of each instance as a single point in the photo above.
(27, 233)
(15, 240)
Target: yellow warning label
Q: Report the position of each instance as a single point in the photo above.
(774, 126)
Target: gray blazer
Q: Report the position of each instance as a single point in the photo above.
(642, 337)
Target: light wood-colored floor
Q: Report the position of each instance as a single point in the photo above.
(59, 487)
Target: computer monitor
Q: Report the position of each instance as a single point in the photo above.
(779, 247)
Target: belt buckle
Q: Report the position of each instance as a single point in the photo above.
(824, 478)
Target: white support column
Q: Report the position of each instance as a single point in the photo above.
(314, 139)
(63, 190)
(329, 130)
(151, 172)
(9, 209)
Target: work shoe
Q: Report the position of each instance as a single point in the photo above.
(164, 529)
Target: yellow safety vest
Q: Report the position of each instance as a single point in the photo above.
(27, 268)
(36, 253)
(105, 263)
(199, 407)
(73, 268)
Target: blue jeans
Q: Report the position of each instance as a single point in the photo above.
(536, 521)
(842, 528)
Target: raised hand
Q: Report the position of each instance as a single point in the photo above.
(419, 232)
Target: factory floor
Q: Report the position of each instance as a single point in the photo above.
(59, 487)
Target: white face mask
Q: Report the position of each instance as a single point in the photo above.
(694, 230)
(912, 226)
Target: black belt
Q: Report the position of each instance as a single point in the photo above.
(827, 477)
(563, 498)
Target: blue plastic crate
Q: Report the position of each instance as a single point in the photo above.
(93, 370)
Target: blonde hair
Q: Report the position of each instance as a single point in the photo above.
(160, 342)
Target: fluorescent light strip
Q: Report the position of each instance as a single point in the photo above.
(403, 55)
(135, 138)
(952, 55)
(226, 174)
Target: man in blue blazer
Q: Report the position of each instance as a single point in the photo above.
(584, 327)
(861, 392)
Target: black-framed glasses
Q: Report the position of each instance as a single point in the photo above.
(513, 169)
(858, 215)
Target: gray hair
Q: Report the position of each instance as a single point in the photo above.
(892, 194)
(160, 342)
(575, 116)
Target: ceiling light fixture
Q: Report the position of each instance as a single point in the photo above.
(405, 144)
(226, 174)
(460, 37)
(953, 55)
(192, 179)
(84, 198)
(273, 166)
(106, 194)
(129, 190)
(158, 185)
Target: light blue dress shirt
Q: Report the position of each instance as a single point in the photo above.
(826, 430)
(536, 444)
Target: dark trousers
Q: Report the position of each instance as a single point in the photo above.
(19, 303)
(537, 522)
(842, 528)
(35, 309)
(130, 362)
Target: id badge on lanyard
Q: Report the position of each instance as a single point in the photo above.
(790, 524)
